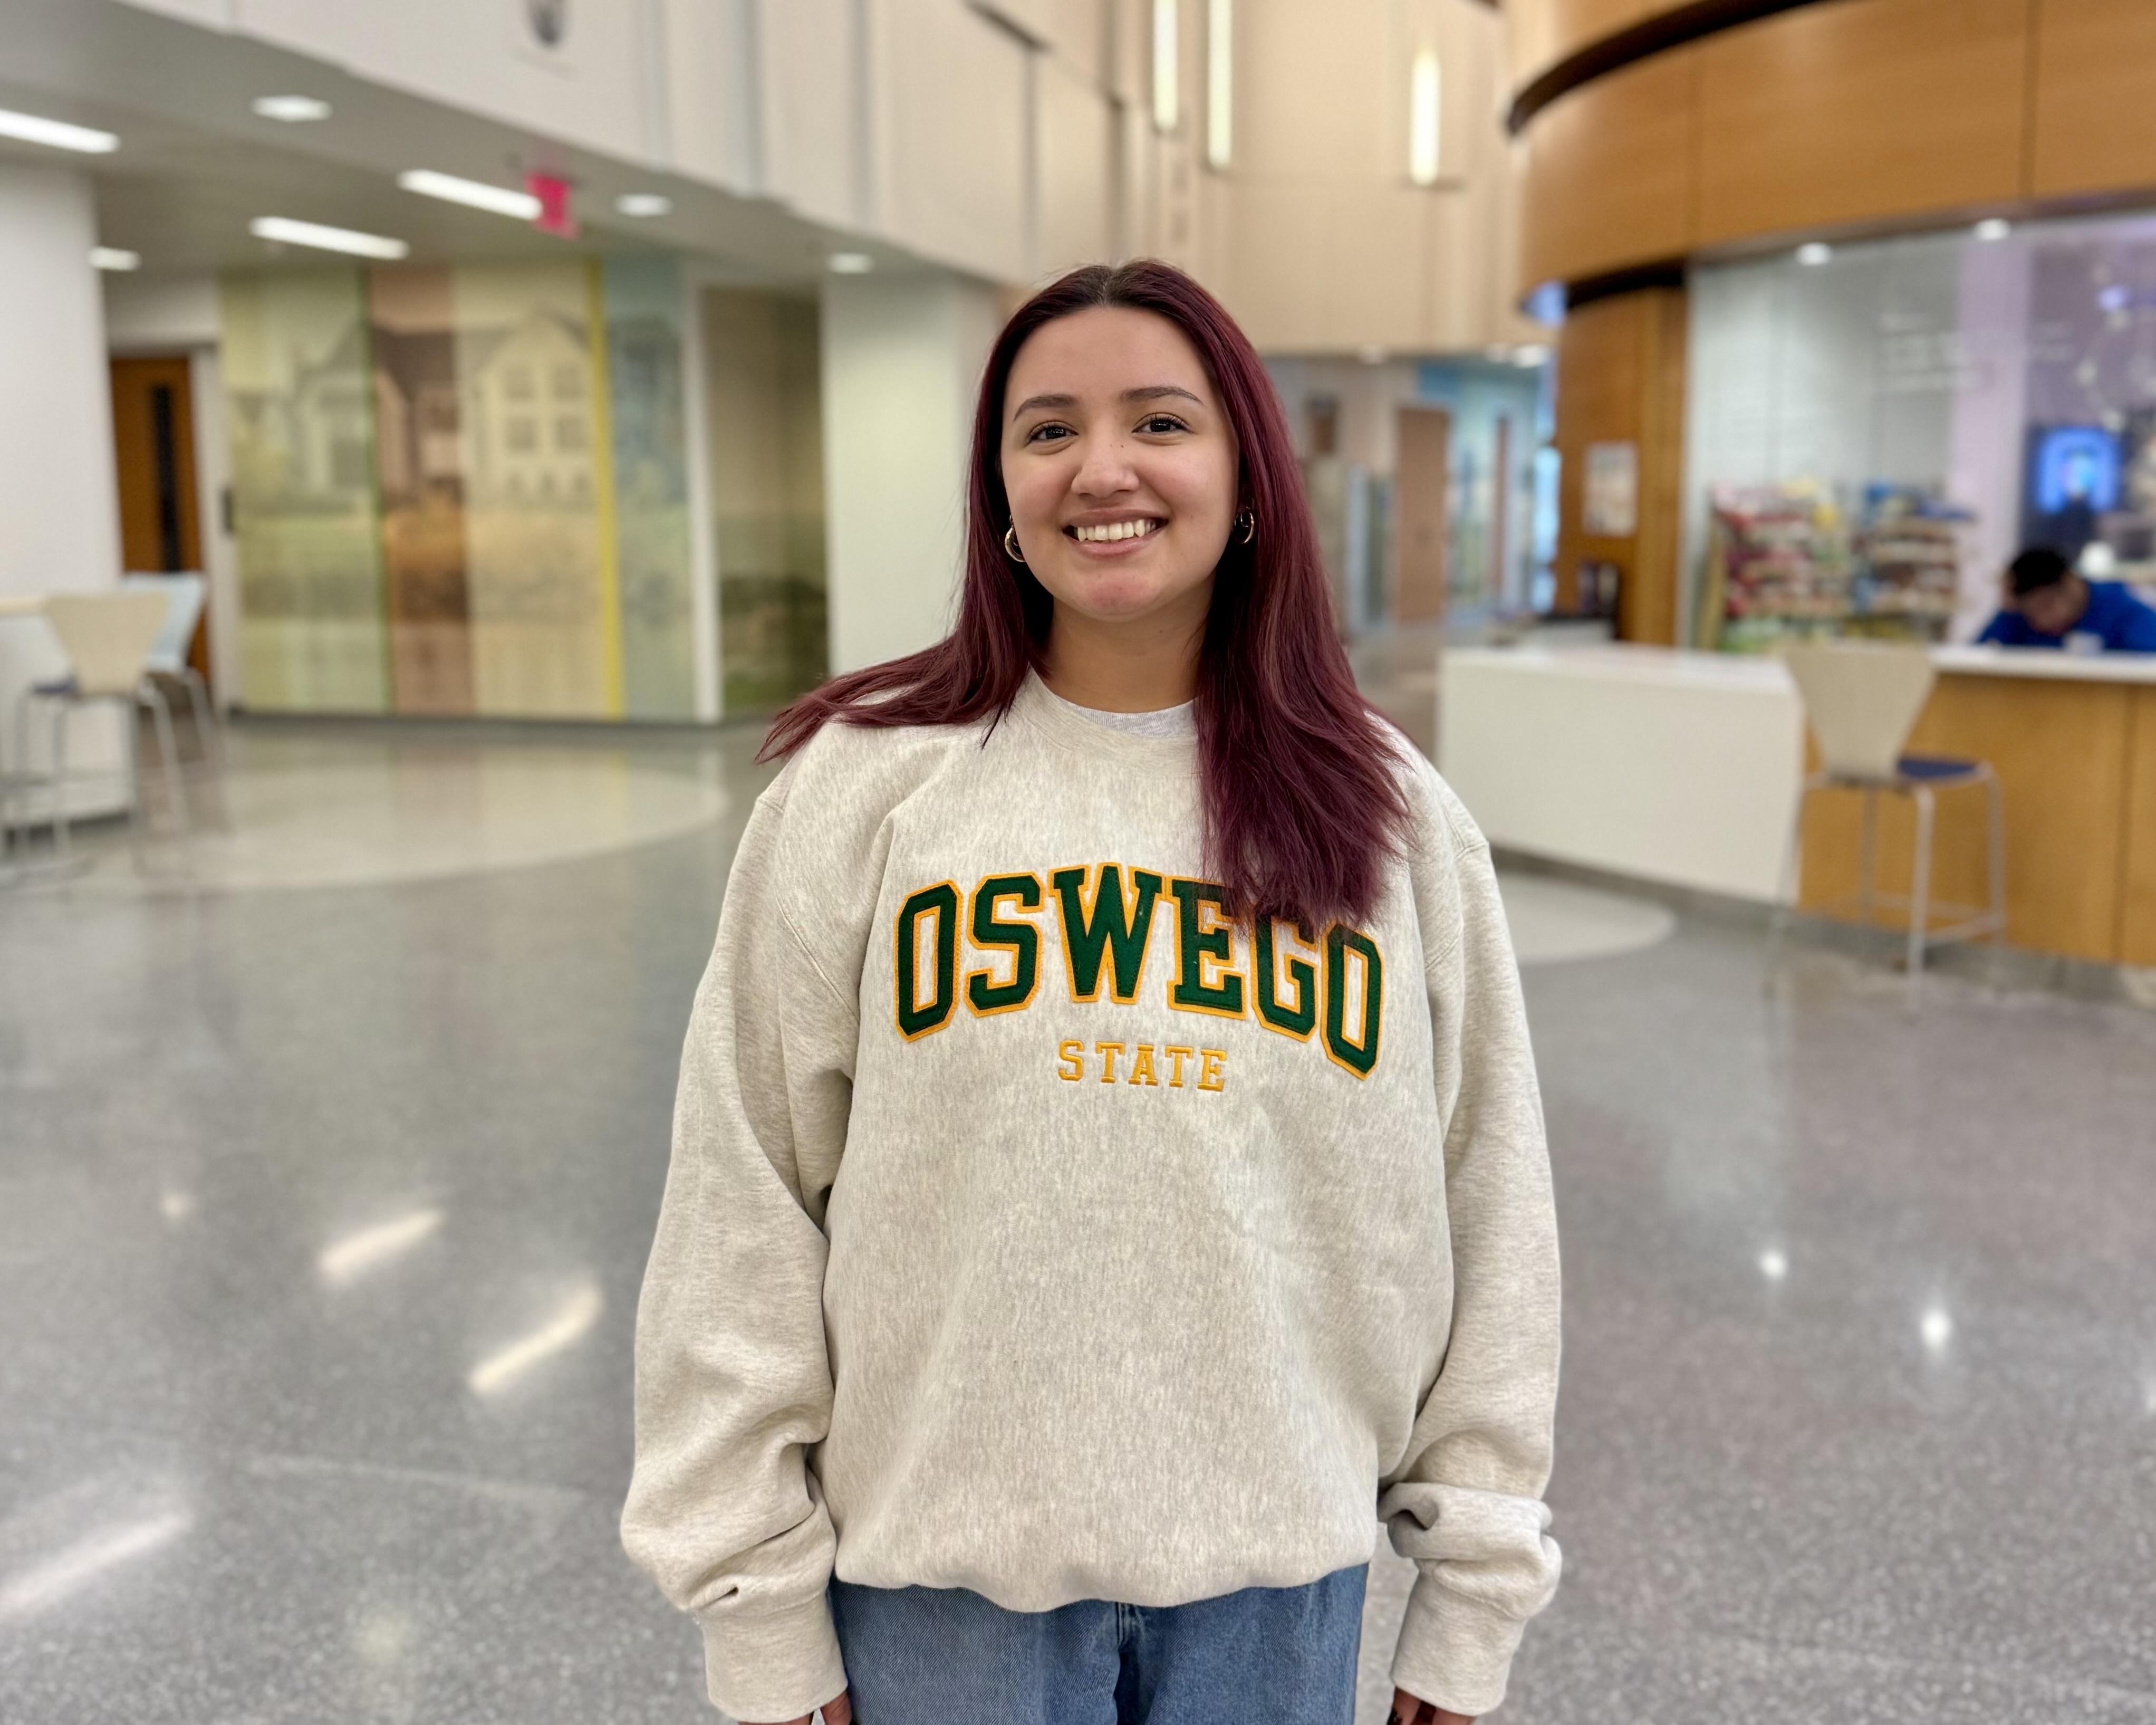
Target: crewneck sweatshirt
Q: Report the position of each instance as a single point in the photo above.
(1033, 1229)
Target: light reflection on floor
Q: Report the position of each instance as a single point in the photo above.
(346, 809)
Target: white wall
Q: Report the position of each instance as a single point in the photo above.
(484, 57)
(950, 120)
(59, 512)
(902, 361)
(160, 313)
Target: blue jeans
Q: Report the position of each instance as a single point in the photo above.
(1283, 1655)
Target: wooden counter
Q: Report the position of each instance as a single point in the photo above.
(2073, 740)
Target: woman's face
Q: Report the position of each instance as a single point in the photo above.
(1119, 465)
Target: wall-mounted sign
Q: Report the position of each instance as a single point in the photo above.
(1612, 507)
(555, 216)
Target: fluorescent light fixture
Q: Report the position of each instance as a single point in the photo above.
(475, 194)
(292, 109)
(111, 257)
(644, 203)
(851, 263)
(74, 1567)
(342, 1259)
(578, 1314)
(55, 134)
(1993, 228)
(287, 232)
(1425, 113)
(1529, 355)
(1220, 83)
(1167, 76)
(1814, 254)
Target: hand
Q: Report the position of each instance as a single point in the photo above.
(1411, 1710)
(837, 1711)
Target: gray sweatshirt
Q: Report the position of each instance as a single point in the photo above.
(1033, 1229)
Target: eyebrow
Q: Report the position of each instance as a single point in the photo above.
(1151, 391)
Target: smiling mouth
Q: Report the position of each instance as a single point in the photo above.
(1107, 532)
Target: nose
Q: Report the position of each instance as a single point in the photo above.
(1105, 469)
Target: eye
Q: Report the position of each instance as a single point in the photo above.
(1040, 433)
(1161, 425)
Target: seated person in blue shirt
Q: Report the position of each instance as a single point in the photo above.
(2046, 600)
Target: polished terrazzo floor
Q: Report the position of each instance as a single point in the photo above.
(323, 1208)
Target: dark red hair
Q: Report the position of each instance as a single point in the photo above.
(1301, 803)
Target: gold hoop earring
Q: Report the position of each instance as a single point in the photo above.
(1010, 544)
(1246, 527)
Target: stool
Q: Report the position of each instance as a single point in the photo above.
(1919, 778)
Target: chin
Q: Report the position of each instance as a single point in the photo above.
(1113, 596)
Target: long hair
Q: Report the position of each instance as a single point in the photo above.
(1301, 803)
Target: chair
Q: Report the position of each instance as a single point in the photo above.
(184, 596)
(1862, 700)
(108, 637)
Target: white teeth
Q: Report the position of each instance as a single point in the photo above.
(1114, 529)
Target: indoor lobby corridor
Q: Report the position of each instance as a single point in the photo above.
(324, 1204)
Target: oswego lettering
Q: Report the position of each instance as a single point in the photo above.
(1327, 988)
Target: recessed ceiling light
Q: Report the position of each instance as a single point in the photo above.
(477, 194)
(293, 109)
(1994, 228)
(851, 263)
(111, 257)
(56, 134)
(644, 203)
(1814, 254)
(287, 232)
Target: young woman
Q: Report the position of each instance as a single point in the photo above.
(1108, 1165)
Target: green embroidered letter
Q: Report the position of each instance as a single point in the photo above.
(1300, 1019)
(1358, 1056)
(1115, 927)
(917, 1017)
(1021, 939)
(1200, 939)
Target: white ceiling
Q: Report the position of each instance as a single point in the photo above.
(196, 165)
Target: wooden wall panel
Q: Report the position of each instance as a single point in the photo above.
(2137, 885)
(1620, 379)
(1610, 179)
(2095, 121)
(1859, 111)
(2061, 751)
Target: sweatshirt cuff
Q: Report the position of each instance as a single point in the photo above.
(1453, 1652)
(773, 1665)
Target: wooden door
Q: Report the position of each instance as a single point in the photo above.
(1422, 485)
(154, 445)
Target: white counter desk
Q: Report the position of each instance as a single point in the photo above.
(1683, 767)
(1677, 768)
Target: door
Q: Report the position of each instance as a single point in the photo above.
(154, 446)
(1422, 483)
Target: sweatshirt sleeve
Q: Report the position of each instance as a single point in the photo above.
(1465, 1503)
(733, 1379)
